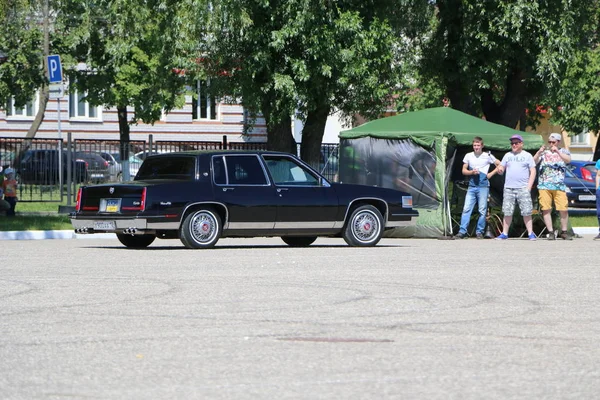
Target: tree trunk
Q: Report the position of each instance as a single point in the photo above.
(509, 112)
(280, 137)
(312, 136)
(597, 150)
(39, 116)
(124, 141)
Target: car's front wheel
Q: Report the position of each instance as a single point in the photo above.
(201, 229)
(364, 227)
(136, 241)
(298, 241)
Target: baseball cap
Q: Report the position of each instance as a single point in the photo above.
(555, 136)
(516, 137)
(9, 171)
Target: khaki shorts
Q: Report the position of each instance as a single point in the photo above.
(547, 197)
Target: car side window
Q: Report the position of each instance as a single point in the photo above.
(244, 170)
(219, 174)
(286, 171)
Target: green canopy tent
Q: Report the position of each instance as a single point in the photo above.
(421, 152)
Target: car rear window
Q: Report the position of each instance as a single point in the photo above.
(171, 167)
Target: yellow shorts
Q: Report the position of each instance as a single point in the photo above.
(557, 196)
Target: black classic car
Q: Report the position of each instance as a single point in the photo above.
(199, 197)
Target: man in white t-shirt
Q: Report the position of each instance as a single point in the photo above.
(520, 175)
(476, 166)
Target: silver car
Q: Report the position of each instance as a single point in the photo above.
(116, 168)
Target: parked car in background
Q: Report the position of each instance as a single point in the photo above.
(580, 192)
(585, 170)
(40, 167)
(96, 166)
(199, 197)
(145, 153)
(115, 165)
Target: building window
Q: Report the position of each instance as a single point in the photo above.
(79, 108)
(28, 110)
(204, 105)
(581, 139)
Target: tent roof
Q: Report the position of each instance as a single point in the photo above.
(425, 126)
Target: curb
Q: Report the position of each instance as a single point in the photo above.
(67, 234)
(62, 234)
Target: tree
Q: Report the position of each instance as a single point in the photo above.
(579, 96)
(495, 57)
(308, 57)
(21, 40)
(133, 53)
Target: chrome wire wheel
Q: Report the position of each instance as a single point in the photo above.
(365, 227)
(201, 229)
(204, 227)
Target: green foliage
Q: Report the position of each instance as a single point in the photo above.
(21, 40)
(133, 52)
(579, 94)
(495, 56)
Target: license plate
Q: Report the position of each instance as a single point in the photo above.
(587, 197)
(104, 225)
(110, 205)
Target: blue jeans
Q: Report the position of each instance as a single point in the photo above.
(479, 195)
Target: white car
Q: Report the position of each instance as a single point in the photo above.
(145, 153)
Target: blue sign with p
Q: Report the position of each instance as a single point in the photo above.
(54, 69)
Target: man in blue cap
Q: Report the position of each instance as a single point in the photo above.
(519, 169)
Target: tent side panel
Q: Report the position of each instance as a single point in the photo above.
(401, 165)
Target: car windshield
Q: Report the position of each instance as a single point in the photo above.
(167, 168)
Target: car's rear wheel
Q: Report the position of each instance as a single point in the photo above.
(364, 227)
(201, 229)
(136, 241)
(298, 241)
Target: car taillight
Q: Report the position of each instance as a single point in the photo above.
(143, 205)
(586, 175)
(136, 207)
(78, 203)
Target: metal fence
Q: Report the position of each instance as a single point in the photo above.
(49, 170)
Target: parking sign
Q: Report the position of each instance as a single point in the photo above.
(54, 69)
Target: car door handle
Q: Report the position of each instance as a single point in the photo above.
(226, 189)
(279, 190)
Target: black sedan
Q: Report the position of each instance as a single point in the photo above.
(199, 197)
(580, 192)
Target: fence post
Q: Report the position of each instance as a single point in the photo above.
(150, 140)
(69, 169)
(224, 142)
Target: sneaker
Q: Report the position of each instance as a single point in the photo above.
(502, 236)
(460, 236)
(479, 235)
(565, 235)
(532, 236)
(597, 237)
(551, 236)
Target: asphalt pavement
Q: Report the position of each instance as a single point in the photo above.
(255, 319)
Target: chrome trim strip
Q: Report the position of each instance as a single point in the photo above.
(138, 223)
(305, 225)
(248, 225)
(387, 210)
(163, 225)
(184, 211)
